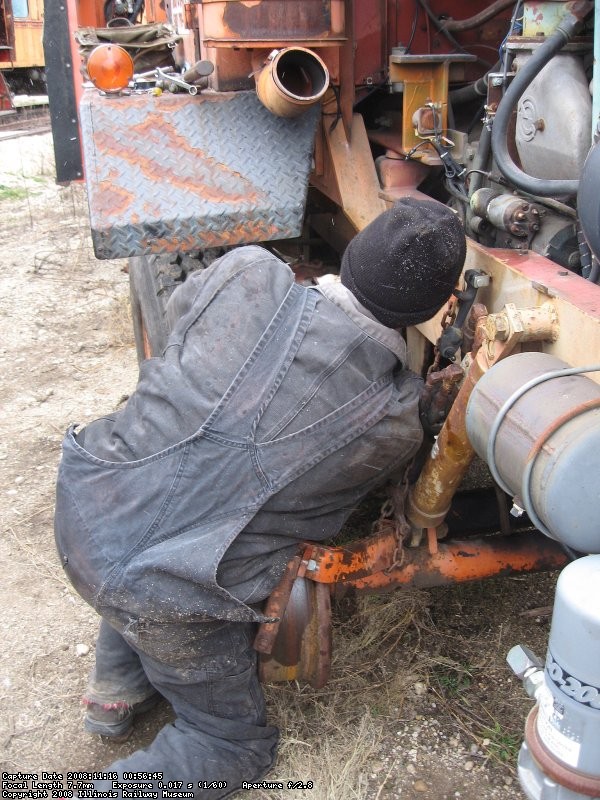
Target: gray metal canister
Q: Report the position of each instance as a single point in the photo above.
(568, 722)
(560, 757)
(542, 443)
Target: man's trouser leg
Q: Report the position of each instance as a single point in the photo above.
(118, 677)
(117, 689)
(207, 671)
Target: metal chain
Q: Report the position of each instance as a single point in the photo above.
(447, 320)
(392, 516)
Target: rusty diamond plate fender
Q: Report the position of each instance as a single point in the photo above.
(178, 173)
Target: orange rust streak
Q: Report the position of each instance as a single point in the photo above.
(116, 197)
(147, 131)
(192, 182)
(458, 562)
(360, 558)
(245, 233)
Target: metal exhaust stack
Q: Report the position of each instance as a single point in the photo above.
(293, 80)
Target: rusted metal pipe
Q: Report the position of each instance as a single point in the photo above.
(292, 80)
(471, 559)
(430, 497)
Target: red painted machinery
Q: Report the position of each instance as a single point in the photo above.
(209, 124)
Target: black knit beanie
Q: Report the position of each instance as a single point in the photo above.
(405, 264)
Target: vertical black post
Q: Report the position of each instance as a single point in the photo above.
(61, 91)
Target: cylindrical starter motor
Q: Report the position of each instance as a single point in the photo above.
(560, 757)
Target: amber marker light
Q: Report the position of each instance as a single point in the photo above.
(110, 67)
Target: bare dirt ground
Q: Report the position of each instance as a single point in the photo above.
(420, 704)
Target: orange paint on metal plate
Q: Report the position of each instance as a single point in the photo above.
(189, 168)
(114, 197)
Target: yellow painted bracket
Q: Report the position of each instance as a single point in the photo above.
(423, 80)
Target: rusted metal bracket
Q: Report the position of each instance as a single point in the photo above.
(276, 605)
(301, 649)
(371, 564)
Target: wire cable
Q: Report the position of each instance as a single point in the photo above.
(493, 435)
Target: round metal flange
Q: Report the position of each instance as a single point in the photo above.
(302, 649)
(576, 782)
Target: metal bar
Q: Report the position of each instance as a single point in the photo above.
(60, 55)
(463, 561)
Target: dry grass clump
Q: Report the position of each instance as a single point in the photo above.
(329, 735)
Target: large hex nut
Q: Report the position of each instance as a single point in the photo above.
(521, 660)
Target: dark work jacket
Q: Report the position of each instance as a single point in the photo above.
(272, 412)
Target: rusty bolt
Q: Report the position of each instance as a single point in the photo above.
(502, 326)
(497, 327)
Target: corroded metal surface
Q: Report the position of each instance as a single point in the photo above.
(165, 174)
(358, 559)
(430, 498)
(455, 561)
(232, 21)
(302, 649)
(375, 564)
(275, 607)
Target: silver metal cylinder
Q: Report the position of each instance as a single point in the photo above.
(569, 717)
(543, 444)
(506, 212)
(560, 759)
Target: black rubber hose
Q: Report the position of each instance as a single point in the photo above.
(478, 19)
(594, 275)
(543, 54)
(473, 91)
(481, 159)
(480, 163)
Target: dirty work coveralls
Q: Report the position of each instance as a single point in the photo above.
(275, 408)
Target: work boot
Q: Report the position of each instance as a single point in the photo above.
(115, 720)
